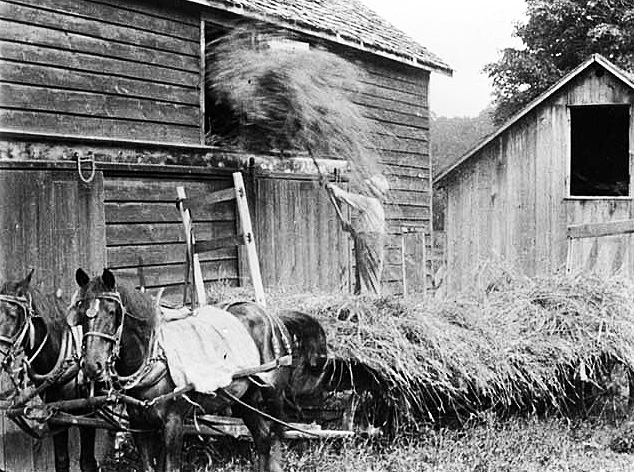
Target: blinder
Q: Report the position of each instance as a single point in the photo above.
(27, 308)
(93, 311)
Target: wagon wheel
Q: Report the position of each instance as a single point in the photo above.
(611, 396)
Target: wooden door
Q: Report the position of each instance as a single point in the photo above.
(51, 222)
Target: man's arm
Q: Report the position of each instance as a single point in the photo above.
(336, 192)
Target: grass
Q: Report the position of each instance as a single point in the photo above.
(516, 445)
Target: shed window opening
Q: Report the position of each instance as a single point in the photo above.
(599, 165)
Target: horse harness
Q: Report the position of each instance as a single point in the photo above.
(154, 366)
(66, 366)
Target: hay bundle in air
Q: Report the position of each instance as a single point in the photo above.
(288, 100)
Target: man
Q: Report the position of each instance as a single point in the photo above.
(368, 232)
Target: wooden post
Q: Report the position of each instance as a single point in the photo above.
(424, 264)
(249, 241)
(403, 268)
(199, 284)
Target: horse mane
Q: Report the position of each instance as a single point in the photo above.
(139, 305)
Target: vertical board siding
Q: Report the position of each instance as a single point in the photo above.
(299, 239)
(92, 68)
(53, 223)
(144, 232)
(519, 183)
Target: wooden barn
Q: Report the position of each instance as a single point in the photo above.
(117, 87)
(544, 191)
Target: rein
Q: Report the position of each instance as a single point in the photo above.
(67, 363)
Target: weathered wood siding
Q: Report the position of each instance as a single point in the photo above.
(112, 69)
(510, 202)
(300, 244)
(144, 231)
(51, 222)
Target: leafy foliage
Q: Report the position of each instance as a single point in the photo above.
(452, 137)
(559, 35)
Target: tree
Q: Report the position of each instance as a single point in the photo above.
(558, 36)
(450, 139)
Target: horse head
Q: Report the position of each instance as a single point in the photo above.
(99, 309)
(16, 309)
(115, 318)
(310, 352)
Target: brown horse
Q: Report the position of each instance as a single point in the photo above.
(120, 325)
(34, 325)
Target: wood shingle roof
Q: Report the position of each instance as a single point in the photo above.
(345, 21)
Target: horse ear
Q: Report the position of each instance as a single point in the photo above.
(108, 279)
(23, 285)
(81, 277)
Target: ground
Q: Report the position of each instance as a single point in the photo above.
(488, 445)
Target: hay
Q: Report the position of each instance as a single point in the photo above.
(289, 100)
(530, 345)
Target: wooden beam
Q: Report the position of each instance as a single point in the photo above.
(249, 239)
(212, 198)
(593, 230)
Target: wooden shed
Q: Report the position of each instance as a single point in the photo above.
(120, 83)
(528, 194)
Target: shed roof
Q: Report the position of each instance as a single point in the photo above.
(347, 22)
(624, 76)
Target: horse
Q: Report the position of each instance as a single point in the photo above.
(34, 324)
(121, 325)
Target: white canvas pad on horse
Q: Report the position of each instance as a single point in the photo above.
(205, 349)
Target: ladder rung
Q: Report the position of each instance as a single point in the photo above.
(220, 243)
(212, 198)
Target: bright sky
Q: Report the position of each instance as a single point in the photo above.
(466, 34)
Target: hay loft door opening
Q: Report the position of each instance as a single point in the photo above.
(599, 161)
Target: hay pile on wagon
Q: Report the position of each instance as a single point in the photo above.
(530, 345)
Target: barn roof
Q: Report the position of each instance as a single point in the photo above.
(625, 77)
(347, 22)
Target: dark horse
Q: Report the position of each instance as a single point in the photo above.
(120, 324)
(35, 325)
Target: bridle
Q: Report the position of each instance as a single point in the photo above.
(26, 305)
(16, 342)
(115, 338)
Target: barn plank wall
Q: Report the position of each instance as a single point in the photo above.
(112, 69)
(53, 223)
(144, 232)
(511, 202)
(300, 242)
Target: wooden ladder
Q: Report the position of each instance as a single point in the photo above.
(194, 247)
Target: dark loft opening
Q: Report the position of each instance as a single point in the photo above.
(600, 164)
